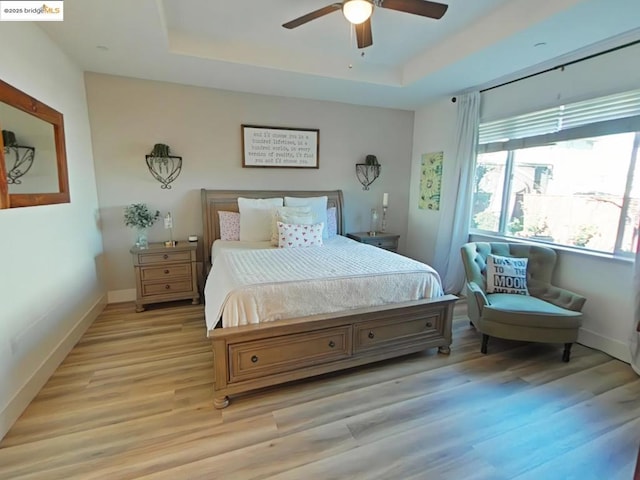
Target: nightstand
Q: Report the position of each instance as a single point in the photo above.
(164, 274)
(388, 241)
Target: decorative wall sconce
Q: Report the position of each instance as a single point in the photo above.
(368, 172)
(19, 156)
(163, 166)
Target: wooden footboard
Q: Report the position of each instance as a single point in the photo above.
(256, 356)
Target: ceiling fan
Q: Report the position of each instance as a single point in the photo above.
(358, 12)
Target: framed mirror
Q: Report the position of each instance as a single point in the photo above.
(33, 160)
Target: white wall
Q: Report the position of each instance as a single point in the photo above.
(50, 287)
(606, 283)
(128, 116)
(433, 132)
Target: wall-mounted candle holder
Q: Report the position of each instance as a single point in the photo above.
(164, 167)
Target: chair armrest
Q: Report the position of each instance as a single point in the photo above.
(563, 298)
(477, 303)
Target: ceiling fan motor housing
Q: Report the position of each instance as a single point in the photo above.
(359, 12)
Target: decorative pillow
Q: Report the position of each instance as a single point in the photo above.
(332, 222)
(291, 235)
(255, 218)
(229, 225)
(318, 207)
(507, 275)
(293, 215)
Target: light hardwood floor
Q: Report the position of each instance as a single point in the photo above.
(134, 400)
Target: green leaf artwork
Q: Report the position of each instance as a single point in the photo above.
(430, 181)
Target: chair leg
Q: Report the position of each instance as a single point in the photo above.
(566, 355)
(485, 341)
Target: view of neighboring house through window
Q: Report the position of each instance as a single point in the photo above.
(568, 175)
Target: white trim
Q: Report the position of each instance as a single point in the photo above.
(119, 296)
(34, 384)
(615, 348)
(483, 236)
(578, 55)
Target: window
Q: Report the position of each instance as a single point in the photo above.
(568, 175)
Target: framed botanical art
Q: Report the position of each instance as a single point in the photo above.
(430, 180)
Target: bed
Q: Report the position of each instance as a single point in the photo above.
(257, 348)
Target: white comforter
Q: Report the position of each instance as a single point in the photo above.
(248, 286)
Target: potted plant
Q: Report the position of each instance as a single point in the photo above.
(139, 216)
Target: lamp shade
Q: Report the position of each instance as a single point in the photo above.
(357, 11)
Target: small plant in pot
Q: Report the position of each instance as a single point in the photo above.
(139, 216)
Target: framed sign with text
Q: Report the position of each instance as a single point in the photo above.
(280, 147)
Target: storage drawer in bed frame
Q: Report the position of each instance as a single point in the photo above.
(261, 355)
(400, 329)
(288, 352)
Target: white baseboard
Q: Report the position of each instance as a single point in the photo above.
(119, 296)
(34, 384)
(615, 348)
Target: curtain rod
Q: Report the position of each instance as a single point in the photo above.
(562, 66)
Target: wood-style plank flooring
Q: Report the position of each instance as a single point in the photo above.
(134, 400)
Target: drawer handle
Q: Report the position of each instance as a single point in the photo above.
(332, 343)
(371, 335)
(165, 256)
(254, 359)
(429, 324)
(167, 287)
(166, 272)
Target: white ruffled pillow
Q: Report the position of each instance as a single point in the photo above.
(292, 236)
(292, 215)
(255, 218)
(332, 222)
(318, 207)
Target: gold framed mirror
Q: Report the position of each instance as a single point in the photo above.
(33, 159)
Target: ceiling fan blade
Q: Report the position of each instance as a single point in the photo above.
(363, 34)
(313, 15)
(417, 7)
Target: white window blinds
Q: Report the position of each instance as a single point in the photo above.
(563, 118)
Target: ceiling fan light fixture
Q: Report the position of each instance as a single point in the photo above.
(357, 11)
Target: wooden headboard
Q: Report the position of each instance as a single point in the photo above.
(214, 201)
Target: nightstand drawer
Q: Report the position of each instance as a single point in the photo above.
(167, 287)
(386, 241)
(165, 274)
(149, 258)
(381, 242)
(169, 272)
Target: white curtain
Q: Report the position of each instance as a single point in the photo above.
(634, 344)
(456, 205)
